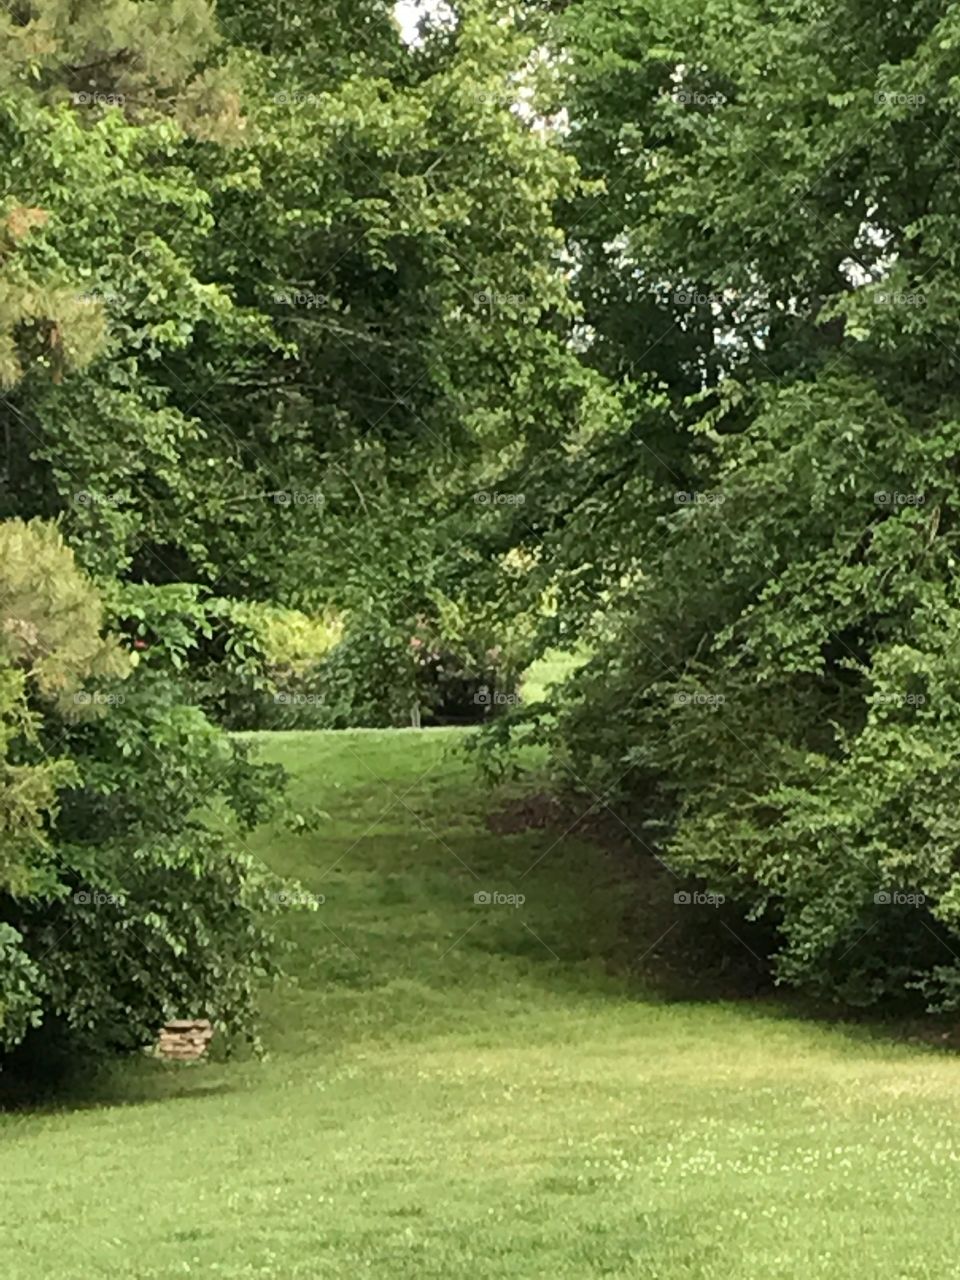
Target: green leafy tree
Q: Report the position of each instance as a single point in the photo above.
(771, 271)
(320, 339)
(126, 893)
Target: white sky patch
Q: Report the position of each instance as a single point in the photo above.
(409, 12)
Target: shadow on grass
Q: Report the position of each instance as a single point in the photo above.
(125, 1083)
(678, 950)
(44, 1076)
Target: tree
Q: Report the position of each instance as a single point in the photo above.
(770, 281)
(322, 338)
(123, 901)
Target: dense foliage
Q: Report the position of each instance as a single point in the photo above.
(770, 278)
(290, 350)
(127, 895)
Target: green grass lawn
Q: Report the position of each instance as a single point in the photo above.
(461, 1090)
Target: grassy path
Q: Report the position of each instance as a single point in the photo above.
(461, 1090)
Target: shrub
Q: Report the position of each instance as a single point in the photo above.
(126, 893)
(257, 669)
(426, 669)
(241, 662)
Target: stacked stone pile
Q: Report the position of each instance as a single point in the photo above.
(185, 1040)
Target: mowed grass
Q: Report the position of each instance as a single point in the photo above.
(461, 1090)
